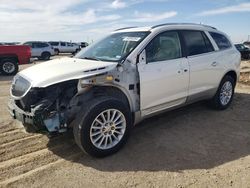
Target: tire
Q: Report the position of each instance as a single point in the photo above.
(222, 100)
(77, 50)
(45, 56)
(9, 66)
(100, 140)
(57, 52)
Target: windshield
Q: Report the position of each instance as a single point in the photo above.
(114, 47)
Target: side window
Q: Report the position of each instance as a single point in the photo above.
(35, 45)
(54, 43)
(40, 45)
(63, 44)
(239, 47)
(164, 47)
(46, 45)
(43, 45)
(69, 44)
(196, 42)
(221, 41)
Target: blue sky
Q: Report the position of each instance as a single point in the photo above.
(87, 20)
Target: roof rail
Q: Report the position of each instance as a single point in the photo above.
(124, 28)
(182, 24)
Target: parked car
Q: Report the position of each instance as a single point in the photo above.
(41, 50)
(65, 47)
(8, 43)
(12, 56)
(247, 43)
(244, 50)
(128, 76)
(83, 44)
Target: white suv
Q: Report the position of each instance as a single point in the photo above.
(41, 50)
(130, 75)
(65, 47)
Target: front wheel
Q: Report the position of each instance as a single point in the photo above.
(224, 94)
(103, 127)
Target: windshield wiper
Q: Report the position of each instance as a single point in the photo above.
(91, 58)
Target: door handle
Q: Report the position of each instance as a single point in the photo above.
(214, 64)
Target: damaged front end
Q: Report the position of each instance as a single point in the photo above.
(42, 109)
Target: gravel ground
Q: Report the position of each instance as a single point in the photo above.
(192, 146)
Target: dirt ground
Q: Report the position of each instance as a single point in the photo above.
(190, 147)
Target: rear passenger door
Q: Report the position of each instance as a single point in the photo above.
(36, 49)
(63, 47)
(70, 47)
(205, 69)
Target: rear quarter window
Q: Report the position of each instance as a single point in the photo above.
(221, 40)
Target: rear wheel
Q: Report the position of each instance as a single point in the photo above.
(103, 127)
(45, 56)
(9, 66)
(225, 93)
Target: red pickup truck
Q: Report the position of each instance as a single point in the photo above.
(12, 56)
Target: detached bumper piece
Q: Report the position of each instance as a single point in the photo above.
(35, 121)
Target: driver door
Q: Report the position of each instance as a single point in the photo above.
(164, 76)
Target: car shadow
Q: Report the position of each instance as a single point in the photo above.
(193, 137)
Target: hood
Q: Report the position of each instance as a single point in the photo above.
(63, 69)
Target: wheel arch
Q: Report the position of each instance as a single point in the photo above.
(9, 56)
(116, 92)
(45, 52)
(231, 73)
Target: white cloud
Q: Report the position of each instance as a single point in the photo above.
(117, 4)
(43, 5)
(150, 17)
(243, 7)
(32, 20)
(22, 20)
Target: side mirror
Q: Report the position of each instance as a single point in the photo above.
(142, 57)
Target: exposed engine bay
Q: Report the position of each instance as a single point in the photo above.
(47, 107)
